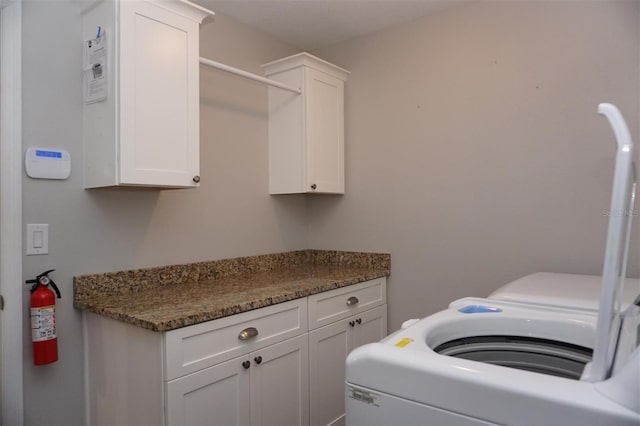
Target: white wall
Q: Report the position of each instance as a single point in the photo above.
(474, 153)
(230, 215)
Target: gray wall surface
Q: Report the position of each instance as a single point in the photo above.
(474, 153)
(230, 215)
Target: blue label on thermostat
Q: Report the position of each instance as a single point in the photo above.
(50, 154)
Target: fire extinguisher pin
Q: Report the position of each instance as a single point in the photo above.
(45, 280)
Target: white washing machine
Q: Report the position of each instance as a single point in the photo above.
(515, 358)
(495, 364)
(581, 292)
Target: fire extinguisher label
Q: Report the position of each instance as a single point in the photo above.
(43, 323)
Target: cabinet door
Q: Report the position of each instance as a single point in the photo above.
(280, 383)
(159, 96)
(324, 132)
(217, 395)
(370, 326)
(328, 350)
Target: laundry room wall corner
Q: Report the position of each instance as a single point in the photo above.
(474, 150)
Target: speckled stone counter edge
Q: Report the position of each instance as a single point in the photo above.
(110, 294)
(135, 280)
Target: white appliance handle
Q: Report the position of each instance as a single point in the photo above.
(616, 253)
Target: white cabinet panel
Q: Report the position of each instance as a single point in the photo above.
(123, 372)
(214, 396)
(325, 132)
(159, 90)
(328, 350)
(280, 384)
(371, 326)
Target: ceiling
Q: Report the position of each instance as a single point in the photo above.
(313, 24)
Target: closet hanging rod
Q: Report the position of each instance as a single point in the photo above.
(245, 74)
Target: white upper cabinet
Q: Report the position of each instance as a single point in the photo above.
(146, 131)
(306, 131)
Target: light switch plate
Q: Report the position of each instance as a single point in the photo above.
(37, 238)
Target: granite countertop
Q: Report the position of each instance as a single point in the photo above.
(167, 298)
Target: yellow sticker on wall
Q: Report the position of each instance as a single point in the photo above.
(404, 342)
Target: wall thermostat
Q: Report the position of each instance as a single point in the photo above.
(45, 163)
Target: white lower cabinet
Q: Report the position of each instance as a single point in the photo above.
(262, 367)
(266, 387)
(328, 350)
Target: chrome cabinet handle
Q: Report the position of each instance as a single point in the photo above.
(359, 321)
(352, 301)
(248, 333)
(246, 364)
(258, 359)
(314, 186)
(196, 179)
(352, 323)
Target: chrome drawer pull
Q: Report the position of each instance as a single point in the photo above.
(352, 301)
(248, 333)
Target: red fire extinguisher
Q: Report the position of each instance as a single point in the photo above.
(43, 319)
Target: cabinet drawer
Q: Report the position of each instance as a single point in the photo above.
(334, 305)
(202, 345)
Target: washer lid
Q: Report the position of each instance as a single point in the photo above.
(617, 248)
(573, 291)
